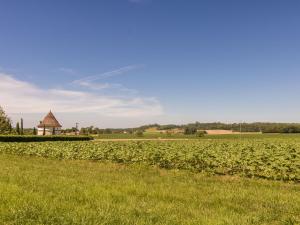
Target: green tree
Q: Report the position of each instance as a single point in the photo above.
(5, 122)
(22, 127)
(44, 130)
(83, 131)
(18, 128)
(190, 130)
(200, 133)
(10, 128)
(139, 133)
(34, 131)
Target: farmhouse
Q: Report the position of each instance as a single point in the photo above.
(49, 125)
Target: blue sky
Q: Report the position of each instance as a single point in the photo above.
(123, 63)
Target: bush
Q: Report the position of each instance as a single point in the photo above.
(19, 138)
(139, 133)
(190, 130)
(200, 133)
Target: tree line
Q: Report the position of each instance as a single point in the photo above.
(6, 126)
(191, 128)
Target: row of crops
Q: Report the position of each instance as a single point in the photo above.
(271, 158)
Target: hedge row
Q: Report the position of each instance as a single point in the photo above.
(35, 138)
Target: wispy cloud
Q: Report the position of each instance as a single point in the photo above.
(21, 96)
(108, 74)
(91, 81)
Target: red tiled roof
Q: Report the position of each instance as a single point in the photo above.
(49, 121)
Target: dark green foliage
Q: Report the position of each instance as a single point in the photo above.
(34, 131)
(5, 123)
(200, 133)
(139, 133)
(107, 131)
(44, 130)
(190, 130)
(25, 138)
(10, 128)
(18, 128)
(22, 127)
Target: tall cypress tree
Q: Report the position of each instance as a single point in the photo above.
(22, 128)
(34, 131)
(10, 128)
(18, 128)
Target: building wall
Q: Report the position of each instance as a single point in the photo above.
(49, 131)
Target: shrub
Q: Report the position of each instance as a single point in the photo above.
(200, 133)
(19, 138)
(190, 130)
(139, 133)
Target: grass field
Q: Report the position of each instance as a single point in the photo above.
(44, 191)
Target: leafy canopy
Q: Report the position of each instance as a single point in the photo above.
(5, 122)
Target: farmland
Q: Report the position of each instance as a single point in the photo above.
(253, 179)
(269, 158)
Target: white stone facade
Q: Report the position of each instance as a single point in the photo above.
(49, 131)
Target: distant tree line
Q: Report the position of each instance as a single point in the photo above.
(193, 128)
(250, 127)
(96, 130)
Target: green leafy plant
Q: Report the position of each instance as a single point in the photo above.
(276, 159)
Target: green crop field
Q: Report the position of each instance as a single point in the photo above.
(253, 179)
(277, 159)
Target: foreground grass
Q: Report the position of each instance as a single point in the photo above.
(45, 191)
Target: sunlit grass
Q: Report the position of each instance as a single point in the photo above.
(44, 191)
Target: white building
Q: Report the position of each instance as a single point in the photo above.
(49, 125)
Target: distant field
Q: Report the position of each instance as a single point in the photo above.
(44, 191)
(144, 136)
(182, 136)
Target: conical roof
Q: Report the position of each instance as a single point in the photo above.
(49, 121)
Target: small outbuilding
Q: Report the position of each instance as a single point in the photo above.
(49, 125)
